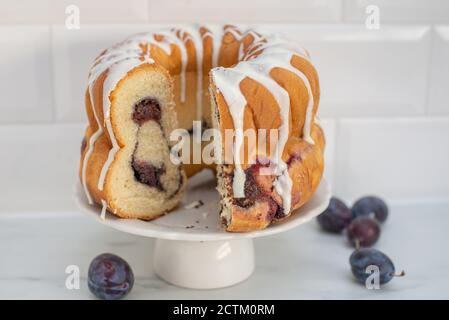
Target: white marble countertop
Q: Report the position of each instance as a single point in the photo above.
(304, 263)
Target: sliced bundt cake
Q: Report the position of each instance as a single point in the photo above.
(225, 78)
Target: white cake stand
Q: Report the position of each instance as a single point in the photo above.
(192, 249)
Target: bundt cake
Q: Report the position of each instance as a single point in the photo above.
(243, 85)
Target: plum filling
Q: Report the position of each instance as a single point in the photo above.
(83, 145)
(253, 193)
(148, 174)
(204, 127)
(293, 158)
(145, 110)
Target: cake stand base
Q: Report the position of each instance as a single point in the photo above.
(204, 264)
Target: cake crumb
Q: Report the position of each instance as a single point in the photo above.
(194, 205)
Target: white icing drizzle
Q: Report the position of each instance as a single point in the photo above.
(116, 72)
(239, 36)
(100, 65)
(216, 33)
(104, 206)
(90, 147)
(276, 53)
(126, 55)
(171, 36)
(230, 79)
(193, 34)
(284, 51)
(131, 48)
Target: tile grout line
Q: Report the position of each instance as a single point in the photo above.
(52, 73)
(433, 35)
(336, 155)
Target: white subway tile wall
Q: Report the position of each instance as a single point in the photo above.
(410, 11)
(329, 126)
(25, 74)
(91, 11)
(385, 93)
(403, 158)
(365, 72)
(238, 11)
(40, 167)
(439, 76)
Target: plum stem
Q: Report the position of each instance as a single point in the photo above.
(357, 244)
(400, 274)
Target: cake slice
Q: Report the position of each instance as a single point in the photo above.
(138, 178)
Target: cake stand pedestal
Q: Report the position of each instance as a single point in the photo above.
(192, 250)
(205, 264)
